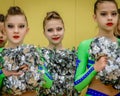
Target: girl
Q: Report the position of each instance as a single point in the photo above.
(106, 15)
(3, 37)
(22, 68)
(59, 61)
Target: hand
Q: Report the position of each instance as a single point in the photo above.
(100, 63)
(9, 73)
(23, 67)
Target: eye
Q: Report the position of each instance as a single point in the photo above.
(103, 14)
(50, 29)
(59, 28)
(114, 13)
(10, 26)
(21, 26)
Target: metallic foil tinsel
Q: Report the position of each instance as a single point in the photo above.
(111, 73)
(61, 65)
(31, 78)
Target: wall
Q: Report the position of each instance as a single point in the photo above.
(5, 4)
(36, 11)
(77, 16)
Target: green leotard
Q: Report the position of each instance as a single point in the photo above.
(2, 76)
(85, 70)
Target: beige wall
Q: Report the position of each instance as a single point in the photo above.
(5, 4)
(77, 16)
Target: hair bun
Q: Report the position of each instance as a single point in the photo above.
(15, 10)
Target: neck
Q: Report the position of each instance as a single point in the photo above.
(107, 34)
(9, 45)
(57, 47)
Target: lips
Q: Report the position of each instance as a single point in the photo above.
(109, 24)
(16, 37)
(56, 38)
(1, 41)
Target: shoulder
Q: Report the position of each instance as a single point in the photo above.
(85, 43)
(1, 49)
(118, 39)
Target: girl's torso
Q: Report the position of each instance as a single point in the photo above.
(61, 65)
(97, 85)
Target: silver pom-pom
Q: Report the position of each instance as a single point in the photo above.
(14, 58)
(103, 46)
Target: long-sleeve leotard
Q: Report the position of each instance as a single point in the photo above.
(85, 70)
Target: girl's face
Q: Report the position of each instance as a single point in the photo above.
(3, 37)
(106, 16)
(54, 31)
(16, 29)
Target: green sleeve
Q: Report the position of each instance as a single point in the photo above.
(83, 75)
(46, 76)
(2, 76)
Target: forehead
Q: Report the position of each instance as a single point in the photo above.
(54, 22)
(16, 19)
(106, 6)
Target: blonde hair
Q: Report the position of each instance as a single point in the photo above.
(52, 15)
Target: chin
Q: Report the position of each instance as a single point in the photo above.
(56, 43)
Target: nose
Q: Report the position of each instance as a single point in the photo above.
(110, 17)
(16, 30)
(55, 32)
(1, 36)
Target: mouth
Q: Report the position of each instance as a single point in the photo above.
(16, 37)
(56, 38)
(109, 24)
(1, 41)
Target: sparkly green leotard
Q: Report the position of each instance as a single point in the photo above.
(85, 70)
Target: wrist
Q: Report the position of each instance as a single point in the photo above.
(1, 71)
(95, 68)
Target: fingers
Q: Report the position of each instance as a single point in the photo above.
(104, 59)
(10, 73)
(23, 67)
(101, 63)
(103, 56)
(17, 73)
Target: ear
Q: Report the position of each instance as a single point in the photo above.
(27, 30)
